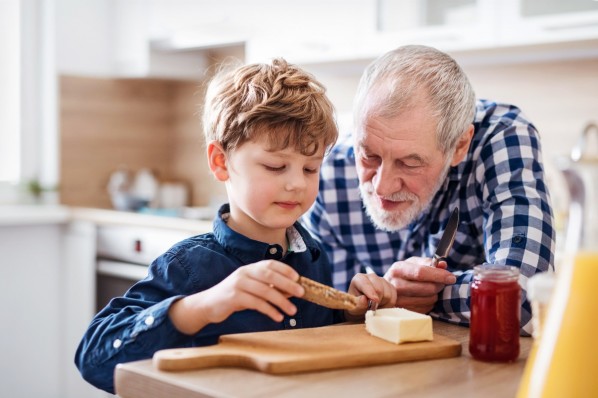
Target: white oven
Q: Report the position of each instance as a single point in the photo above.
(124, 254)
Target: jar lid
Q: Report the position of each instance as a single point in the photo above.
(496, 272)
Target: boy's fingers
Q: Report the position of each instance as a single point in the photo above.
(278, 275)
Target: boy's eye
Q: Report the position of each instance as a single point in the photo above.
(274, 168)
(311, 170)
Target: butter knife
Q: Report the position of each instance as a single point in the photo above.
(372, 305)
(448, 237)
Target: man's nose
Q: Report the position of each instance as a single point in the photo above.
(386, 181)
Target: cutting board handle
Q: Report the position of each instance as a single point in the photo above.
(201, 357)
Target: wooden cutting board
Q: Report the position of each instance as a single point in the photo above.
(304, 350)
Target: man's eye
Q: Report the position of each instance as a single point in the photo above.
(411, 165)
(369, 158)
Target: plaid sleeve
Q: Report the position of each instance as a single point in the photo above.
(517, 214)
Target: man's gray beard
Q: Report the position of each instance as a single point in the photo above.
(394, 221)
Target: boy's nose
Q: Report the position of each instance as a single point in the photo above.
(296, 182)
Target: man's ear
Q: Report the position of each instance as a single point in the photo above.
(462, 146)
(217, 161)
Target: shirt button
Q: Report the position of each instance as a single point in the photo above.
(293, 322)
(149, 321)
(117, 343)
(273, 250)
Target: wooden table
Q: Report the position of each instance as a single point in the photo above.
(454, 377)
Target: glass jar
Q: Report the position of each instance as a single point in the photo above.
(495, 313)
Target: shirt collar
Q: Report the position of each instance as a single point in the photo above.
(250, 251)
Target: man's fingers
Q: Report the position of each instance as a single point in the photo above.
(413, 272)
(416, 289)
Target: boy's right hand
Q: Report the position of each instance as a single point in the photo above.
(264, 286)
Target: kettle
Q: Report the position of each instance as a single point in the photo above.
(581, 176)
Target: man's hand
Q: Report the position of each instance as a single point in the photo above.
(417, 283)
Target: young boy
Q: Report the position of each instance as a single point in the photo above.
(267, 128)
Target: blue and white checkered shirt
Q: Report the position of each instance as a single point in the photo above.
(504, 205)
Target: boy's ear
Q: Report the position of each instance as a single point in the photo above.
(217, 161)
(462, 146)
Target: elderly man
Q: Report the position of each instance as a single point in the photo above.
(423, 146)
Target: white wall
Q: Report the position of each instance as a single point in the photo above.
(83, 33)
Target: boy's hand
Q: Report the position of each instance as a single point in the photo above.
(370, 287)
(264, 286)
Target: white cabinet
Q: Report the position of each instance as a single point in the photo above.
(548, 21)
(31, 296)
(46, 302)
(446, 24)
(79, 285)
(483, 31)
(179, 38)
(107, 38)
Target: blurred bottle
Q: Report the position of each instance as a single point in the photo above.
(539, 292)
(566, 358)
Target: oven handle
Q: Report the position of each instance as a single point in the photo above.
(129, 271)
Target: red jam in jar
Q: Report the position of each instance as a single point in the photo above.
(495, 313)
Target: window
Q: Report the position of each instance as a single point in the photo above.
(10, 108)
(28, 98)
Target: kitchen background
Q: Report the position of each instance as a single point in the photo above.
(98, 88)
(121, 81)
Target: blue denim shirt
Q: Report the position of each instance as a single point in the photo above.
(135, 326)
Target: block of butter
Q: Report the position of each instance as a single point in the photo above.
(399, 325)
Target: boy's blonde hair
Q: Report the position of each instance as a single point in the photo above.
(278, 100)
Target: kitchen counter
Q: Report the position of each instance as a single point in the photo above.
(113, 217)
(44, 214)
(460, 376)
(14, 215)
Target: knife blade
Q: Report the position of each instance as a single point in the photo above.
(447, 239)
(372, 305)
